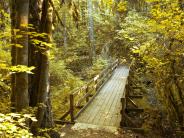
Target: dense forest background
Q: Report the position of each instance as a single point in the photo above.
(50, 47)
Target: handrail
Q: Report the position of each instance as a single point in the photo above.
(123, 98)
(126, 99)
(87, 92)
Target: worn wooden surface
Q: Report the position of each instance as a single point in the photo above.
(105, 108)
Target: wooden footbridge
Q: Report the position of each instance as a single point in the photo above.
(102, 101)
(105, 108)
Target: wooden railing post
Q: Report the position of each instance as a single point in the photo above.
(110, 70)
(127, 90)
(123, 103)
(87, 90)
(96, 88)
(72, 107)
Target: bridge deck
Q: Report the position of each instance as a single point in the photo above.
(105, 108)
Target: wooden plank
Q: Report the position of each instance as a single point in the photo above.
(108, 100)
(180, 134)
(86, 105)
(65, 115)
(87, 90)
(139, 110)
(136, 96)
(104, 112)
(110, 91)
(75, 92)
(90, 99)
(123, 106)
(85, 117)
(132, 102)
(136, 87)
(95, 113)
(137, 130)
(72, 107)
(95, 105)
(83, 99)
(113, 113)
(115, 120)
(62, 122)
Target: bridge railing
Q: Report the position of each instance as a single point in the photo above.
(79, 99)
(127, 122)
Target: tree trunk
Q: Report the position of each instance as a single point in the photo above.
(13, 52)
(44, 115)
(34, 57)
(22, 9)
(92, 52)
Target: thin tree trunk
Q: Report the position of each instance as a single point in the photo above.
(65, 31)
(91, 31)
(13, 52)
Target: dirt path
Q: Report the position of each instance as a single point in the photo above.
(70, 132)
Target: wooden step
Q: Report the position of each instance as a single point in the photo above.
(139, 110)
(137, 130)
(180, 133)
(136, 96)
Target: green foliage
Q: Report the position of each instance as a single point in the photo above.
(122, 6)
(14, 125)
(158, 41)
(62, 83)
(62, 76)
(5, 58)
(5, 34)
(97, 67)
(17, 69)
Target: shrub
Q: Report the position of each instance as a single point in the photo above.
(62, 83)
(14, 125)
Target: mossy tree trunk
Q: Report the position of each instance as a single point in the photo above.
(21, 79)
(13, 50)
(43, 100)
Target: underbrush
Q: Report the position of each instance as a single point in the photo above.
(63, 81)
(5, 59)
(97, 67)
(14, 125)
(154, 120)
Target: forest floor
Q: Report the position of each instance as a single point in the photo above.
(70, 132)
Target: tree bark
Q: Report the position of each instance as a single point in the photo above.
(92, 52)
(44, 115)
(13, 52)
(34, 57)
(22, 100)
